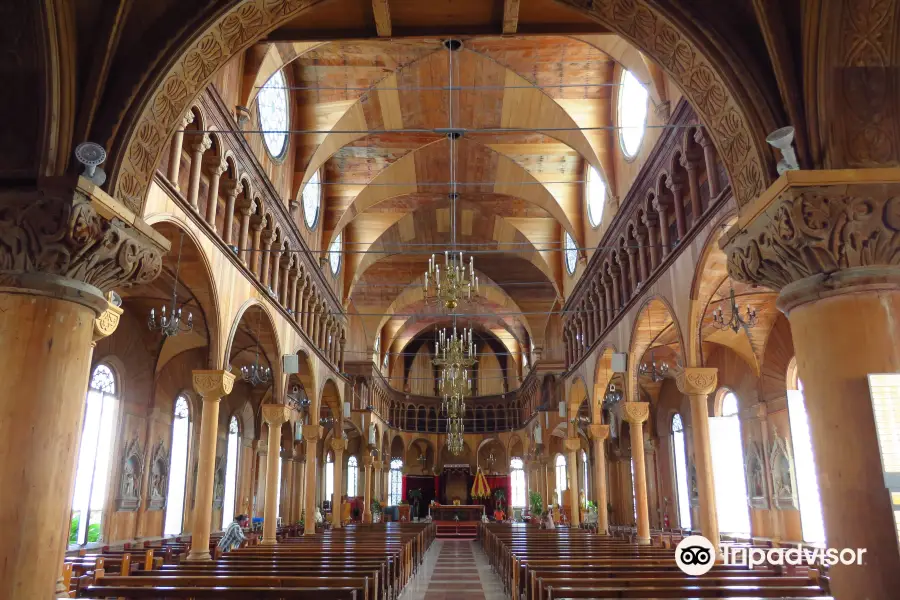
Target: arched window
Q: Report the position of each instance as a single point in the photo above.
(231, 459)
(395, 482)
(633, 99)
(312, 200)
(329, 477)
(727, 452)
(517, 482)
(93, 457)
(272, 102)
(352, 477)
(562, 482)
(571, 253)
(334, 253)
(181, 434)
(596, 196)
(278, 485)
(633, 492)
(811, 522)
(585, 486)
(679, 457)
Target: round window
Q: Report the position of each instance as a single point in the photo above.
(571, 250)
(633, 99)
(312, 198)
(272, 103)
(334, 254)
(596, 197)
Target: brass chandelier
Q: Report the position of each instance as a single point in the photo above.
(455, 356)
(456, 281)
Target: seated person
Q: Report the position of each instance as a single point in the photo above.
(234, 534)
(499, 515)
(548, 520)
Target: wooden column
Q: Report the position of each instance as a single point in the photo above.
(311, 435)
(599, 433)
(573, 445)
(262, 461)
(244, 238)
(174, 169)
(233, 189)
(266, 240)
(338, 445)
(299, 484)
(697, 384)
(665, 238)
(677, 189)
(254, 250)
(636, 413)
(274, 415)
(217, 166)
(212, 386)
(367, 495)
(709, 157)
(651, 222)
(378, 481)
(198, 147)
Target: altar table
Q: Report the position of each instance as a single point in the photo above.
(465, 512)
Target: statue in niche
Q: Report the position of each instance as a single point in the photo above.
(159, 477)
(219, 482)
(129, 497)
(754, 471)
(695, 491)
(783, 479)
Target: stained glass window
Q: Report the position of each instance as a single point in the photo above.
(181, 431)
(93, 458)
(517, 481)
(596, 196)
(395, 489)
(571, 250)
(272, 102)
(312, 200)
(352, 476)
(231, 458)
(681, 476)
(633, 98)
(334, 254)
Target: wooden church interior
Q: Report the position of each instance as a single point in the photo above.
(683, 221)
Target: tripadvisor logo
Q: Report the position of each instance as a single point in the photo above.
(695, 555)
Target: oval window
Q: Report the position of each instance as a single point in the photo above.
(633, 99)
(596, 196)
(334, 254)
(272, 104)
(312, 200)
(571, 250)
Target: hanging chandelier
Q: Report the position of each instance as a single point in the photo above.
(455, 439)
(256, 374)
(651, 370)
(456, 281)
(735, 321)
(612, 396)
(455, 356)
(171, 324)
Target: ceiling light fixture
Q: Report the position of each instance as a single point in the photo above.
(170, 324)
(735, 321)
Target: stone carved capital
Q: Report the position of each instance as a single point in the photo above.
(216, 165)
(338, 445)
(213, 384)
(573, 444)
(635, 412)
(70, 234)
(367, 460)
(695, 381)
(808, 230)
(201, 144)
(313, 433)
(598, 431)
(232, 187)
(276, 414)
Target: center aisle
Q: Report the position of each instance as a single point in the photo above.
(454, 569)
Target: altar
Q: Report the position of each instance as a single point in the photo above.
(461, 512)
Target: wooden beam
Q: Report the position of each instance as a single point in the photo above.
(382, 11)
(510, 16)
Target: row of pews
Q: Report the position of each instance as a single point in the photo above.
(355, 563)
(558, 564)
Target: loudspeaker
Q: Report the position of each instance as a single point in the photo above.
(291, 364)
(619, 362)
(562, 410)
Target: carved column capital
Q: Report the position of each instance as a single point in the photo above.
(312, 433)
(572, 444)
(817, 233)
(276, 414)
(636, 412)
(213, 383)
(232, 187)
(201, 144)
(216, 165)
(338, 445)
(71, 240)
(695, 381)
(599, 432)
(367, 460)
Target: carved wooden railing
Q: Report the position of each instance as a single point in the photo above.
(410, 412)
(248, 220)
(674, 195)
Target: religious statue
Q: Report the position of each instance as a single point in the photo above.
(754, 471)
(129, 497)
(159, 477)
(782, 466)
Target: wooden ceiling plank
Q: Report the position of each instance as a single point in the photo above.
(382, 12)
(510, 16)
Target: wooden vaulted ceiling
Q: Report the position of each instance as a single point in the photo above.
(377, 108)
